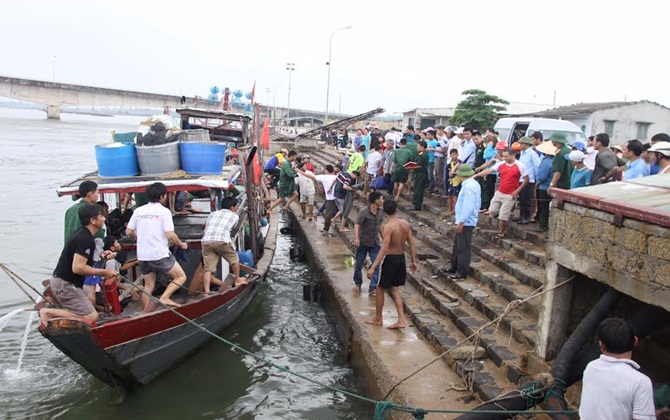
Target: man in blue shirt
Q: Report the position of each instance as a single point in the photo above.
(467, 213)
(532, 161)
(581, 175)
(469, 149)
(635, 167)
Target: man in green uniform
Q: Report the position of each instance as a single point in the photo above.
(286, 182)
(400, 174)
(420, 175)
(562, 168)
(88, 191)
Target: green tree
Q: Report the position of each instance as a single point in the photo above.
(478, 110)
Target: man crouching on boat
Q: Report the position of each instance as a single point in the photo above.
(74, 264)
(217, 243)
(151, 226)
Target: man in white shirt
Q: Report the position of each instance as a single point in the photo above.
(151, 226)
(307, 191)
(327, 180)
(612, 387)
(373, 167)
(217, 243)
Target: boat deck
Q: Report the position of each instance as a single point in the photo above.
(175, 181)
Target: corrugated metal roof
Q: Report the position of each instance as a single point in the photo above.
(646, 199)
(585, 108)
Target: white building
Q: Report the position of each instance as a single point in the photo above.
(623, 121)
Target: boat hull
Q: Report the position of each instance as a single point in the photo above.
(140, 360)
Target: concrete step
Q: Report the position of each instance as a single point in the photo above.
(437, 205)
(522, 325)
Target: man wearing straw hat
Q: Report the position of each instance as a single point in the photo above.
(544, 175)
(467, 213)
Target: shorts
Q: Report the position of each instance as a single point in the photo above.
(71, 297)
(502, 205)
(212, 252)
(159, 266)
(285, 192)
(394, 272)
(309, 199)
(339, 203)
(400, 175)
(453, 191)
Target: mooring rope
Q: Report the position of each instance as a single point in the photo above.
(475, 335)
(381, 407)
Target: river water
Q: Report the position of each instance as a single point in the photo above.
(36, 156)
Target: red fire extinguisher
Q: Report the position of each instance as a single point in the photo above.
(111, 294)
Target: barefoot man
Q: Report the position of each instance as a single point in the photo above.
(394, 271)
(217, 243)
(151, 226)
(74, 264)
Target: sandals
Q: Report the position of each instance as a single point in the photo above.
(456, 276)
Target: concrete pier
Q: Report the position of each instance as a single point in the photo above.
(381, 355)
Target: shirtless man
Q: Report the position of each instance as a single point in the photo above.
(394, 272)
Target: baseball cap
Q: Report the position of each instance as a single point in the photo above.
(661, 147)
(579, 146)
(459, 130)
(575, 156)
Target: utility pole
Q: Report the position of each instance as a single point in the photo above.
(53, 71)
(290, 67)
(330, 50)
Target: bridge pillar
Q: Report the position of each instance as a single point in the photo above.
(53, 112)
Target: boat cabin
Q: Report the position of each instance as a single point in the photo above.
(222, 126)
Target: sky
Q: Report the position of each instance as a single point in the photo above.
(397, 55)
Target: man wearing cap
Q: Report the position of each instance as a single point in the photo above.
(635, 167)
(544, 176)
(659, 137)
(562, 168)
(532, 162)
(356, 159)
(467, 213)
(509, 189)
(661, 156)
(581, 175)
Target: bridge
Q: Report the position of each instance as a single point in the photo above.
(56, 95)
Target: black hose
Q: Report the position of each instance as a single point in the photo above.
(554, 396)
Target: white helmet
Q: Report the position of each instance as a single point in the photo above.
(662, 147)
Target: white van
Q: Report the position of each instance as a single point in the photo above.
(513, 128)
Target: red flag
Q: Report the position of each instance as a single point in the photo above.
(265, 135)
(257, 169)
(253, 93)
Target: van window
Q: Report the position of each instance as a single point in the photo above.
(519, 131)
(503, 133)
(572, 136)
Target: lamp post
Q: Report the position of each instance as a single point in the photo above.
(290, 67)
(53, 71)
(330, 50)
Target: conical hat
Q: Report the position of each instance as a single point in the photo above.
(547, 148)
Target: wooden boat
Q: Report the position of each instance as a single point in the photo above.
(134, 347)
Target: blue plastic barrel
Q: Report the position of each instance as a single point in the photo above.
(116, 161)
(202, 158)
(246, 258)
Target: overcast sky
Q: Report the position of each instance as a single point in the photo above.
(398, 55)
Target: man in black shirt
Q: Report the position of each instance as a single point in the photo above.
(74, 264)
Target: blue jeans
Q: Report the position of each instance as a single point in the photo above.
(362, 252)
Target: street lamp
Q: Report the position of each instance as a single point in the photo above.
(290, 67)
(274, 103)
(330, 50)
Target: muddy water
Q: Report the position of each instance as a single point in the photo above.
(36, 156)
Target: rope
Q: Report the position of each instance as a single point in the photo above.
(510, 307)
(381, 407)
